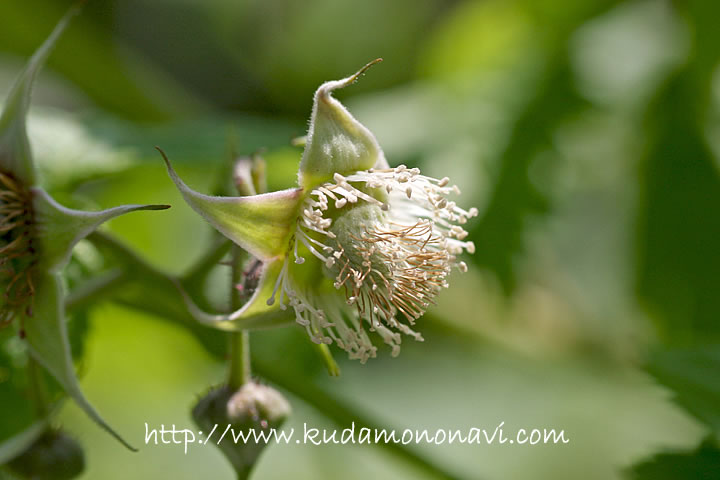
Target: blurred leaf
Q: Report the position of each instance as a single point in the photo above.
(692, 375)
(477, 37)
(701, 464)
(18, 412)
(90, 58)
(341, 413)
(280, 43)
(680, 221)
(678, 255)
(203, 138)
(154, 292)
(499, 235)
(78, 328)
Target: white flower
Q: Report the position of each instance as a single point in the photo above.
(358, 247)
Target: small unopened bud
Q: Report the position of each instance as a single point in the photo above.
(53, 456)
(254, 408)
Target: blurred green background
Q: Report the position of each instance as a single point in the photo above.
(586, 132)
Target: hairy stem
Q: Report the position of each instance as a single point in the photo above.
(246, 184)
(239, 351)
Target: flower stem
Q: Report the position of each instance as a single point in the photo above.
(249, 179)
(239, 350)
(239, 362)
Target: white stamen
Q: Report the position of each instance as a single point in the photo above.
(390, 270)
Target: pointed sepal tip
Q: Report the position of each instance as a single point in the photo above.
(261, 224)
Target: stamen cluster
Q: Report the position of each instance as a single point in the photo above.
(389, 239)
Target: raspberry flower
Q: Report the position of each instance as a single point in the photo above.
(36, 239)
(357, 247)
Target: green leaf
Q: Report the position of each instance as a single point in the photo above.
(60, 228)
(47, 338)
(256, 313)
(500, 234)
(261, 224)
(336, 142)
(15, 155)
(679, 219)
(701, 464)
(692, 374)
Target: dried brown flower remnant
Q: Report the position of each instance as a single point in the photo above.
(17, 249)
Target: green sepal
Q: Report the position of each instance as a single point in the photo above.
(261, 224)
(15, 154)
(59, 228)
(336, 142)
(256, 313)
(47, 339)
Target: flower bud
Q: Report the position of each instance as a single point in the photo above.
(53, 456)
(254, 408)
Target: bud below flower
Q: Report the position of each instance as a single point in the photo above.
(53, 456)
(254, 406)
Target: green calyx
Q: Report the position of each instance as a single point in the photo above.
(336, 142)
(253, 407)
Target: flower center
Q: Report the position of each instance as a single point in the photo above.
(17, 253)
(388, 239)
(393, 268)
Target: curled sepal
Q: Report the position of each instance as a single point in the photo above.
(15, 155)
(336, 142)
(257, 313)
(47, 338)
(261, 224)
(60, 228)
